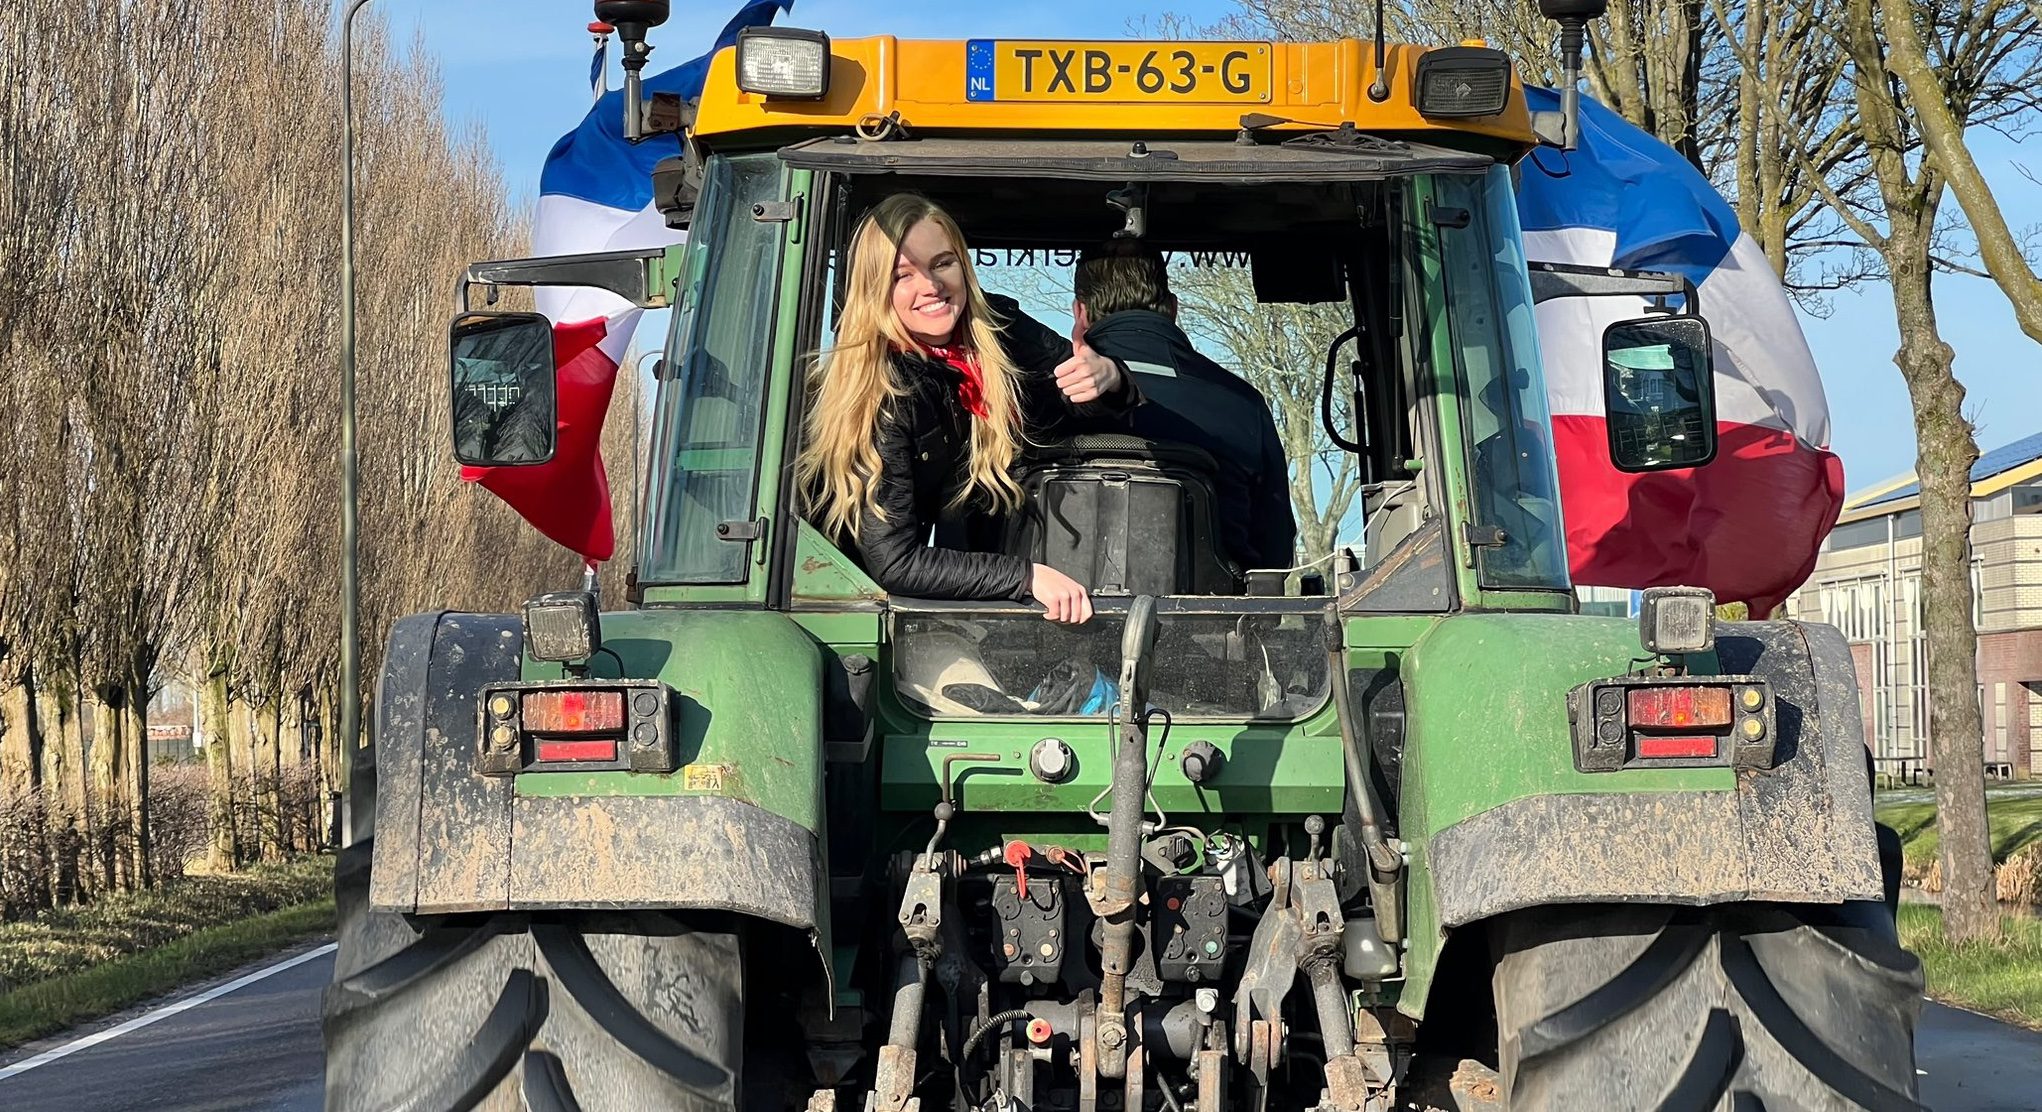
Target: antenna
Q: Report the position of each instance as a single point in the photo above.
(1573, 17)
(633, 19)
(1379, 89)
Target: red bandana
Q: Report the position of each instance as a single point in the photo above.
(971, 386)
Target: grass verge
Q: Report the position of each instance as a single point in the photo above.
(2013, 812)
(59, 1002)
(2002, 979)
(63, 967)
(72, 940)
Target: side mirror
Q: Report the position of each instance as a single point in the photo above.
(505, 403)
(1659, 393)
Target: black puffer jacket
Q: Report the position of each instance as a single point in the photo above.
(925, 448)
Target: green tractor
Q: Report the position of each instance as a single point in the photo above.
(1399, 825)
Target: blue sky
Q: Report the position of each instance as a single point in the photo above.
(523, 75)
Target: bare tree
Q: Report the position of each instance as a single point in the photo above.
(167, 491)
(1918, 40)
(1279, 350)
(1891, 201)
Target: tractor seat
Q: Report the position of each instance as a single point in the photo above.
(1123, 516)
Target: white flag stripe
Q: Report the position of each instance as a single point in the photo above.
(1740, 305)
(570, 226)
(1752, 319)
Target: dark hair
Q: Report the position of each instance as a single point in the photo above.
(1123, 274)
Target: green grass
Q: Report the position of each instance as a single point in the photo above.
(63, 967)
(59, 1002)
(2012, 811)
(2002, 979)
(57, 943)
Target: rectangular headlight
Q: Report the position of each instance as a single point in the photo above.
(1462, 81)
(783, 62)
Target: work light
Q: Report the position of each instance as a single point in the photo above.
(1673, 621)
(1463, 81)
(562, 626)
(783, 62)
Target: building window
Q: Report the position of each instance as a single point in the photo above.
(1858, 534)
(1999, 721)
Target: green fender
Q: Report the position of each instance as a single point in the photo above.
(1497, 818)
(738, 827)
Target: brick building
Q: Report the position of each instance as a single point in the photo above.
(1868, 584)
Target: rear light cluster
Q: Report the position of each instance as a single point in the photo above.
(1678, 708)
(1641, 722)
(576, 726)
(573, 712)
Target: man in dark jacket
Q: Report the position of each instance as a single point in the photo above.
(1126, 312)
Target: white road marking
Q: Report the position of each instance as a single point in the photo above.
(162, 1013)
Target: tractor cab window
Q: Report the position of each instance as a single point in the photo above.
(1288, 295)
(1213, 659)
(713, 397)
(1518, 530)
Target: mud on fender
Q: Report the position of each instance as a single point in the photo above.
(1801, 832)
(449, 839)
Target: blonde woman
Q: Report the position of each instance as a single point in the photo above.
(925, 401)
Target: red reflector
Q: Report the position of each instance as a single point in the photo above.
(1690, 748)
(1659, 708)
(573, 712)
(577, 750)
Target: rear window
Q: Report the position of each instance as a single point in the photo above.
(1209, 664)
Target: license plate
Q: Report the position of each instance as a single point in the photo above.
(1117, 72)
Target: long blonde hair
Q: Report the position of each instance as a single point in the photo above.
(839, 463)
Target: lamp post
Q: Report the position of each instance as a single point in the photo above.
(350, 581)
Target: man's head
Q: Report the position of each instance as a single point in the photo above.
(1119, 275)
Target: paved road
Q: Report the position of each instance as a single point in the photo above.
(1970, 1063)
(256, 1049)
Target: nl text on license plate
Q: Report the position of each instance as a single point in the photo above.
(1123, 72)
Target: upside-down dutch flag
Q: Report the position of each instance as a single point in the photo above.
(1748, 525)
(595, 194)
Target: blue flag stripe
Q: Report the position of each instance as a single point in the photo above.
(1665, 214)
(594, 163)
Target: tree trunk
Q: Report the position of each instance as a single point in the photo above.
(64, 778)
(1947, 448)
(269, 767)
(109, 787)
(241, 738)
(28, 886)
(136, 732)
(18, 771)
(212, 716)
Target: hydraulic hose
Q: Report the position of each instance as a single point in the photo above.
(1384, 863)
(986, 1027)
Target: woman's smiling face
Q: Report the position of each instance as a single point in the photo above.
(928, 284)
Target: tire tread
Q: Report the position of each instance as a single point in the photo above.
(1762, 1004)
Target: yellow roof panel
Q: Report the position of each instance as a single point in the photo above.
(1316, 85)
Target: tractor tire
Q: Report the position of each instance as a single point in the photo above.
(577, 1012)
(1743, 1007)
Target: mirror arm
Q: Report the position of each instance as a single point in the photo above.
(636, 276)
(1551, 281)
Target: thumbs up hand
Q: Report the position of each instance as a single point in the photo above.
(1087, 375)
